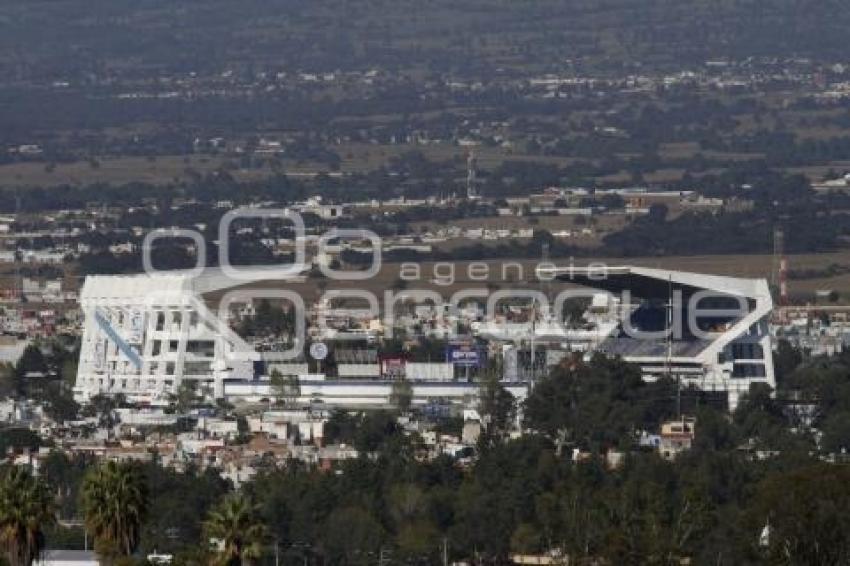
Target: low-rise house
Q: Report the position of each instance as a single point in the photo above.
(676, 436)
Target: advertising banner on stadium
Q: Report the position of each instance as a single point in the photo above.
(393, 367)
(465, 355)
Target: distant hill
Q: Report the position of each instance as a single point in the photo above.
(40, 39)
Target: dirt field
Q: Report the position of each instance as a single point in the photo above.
(505, 273)
(363, 156)
(356, 158)
(508, 273)
(118, 171)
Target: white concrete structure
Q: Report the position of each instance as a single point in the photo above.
(146, 334)
(429, 371)
(720, 339)
(364, 393)
(314, 205)
(67, 558)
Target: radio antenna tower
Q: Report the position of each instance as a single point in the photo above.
(471, 177)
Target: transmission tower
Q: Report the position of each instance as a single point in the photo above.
(779, 269)
(778, 254)
(471, 177)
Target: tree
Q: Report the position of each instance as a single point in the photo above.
(8, 380)
(808, 513)
(186, 395)
(285, 389)
(179, 499)
(760, 417)
(114, 505)
(786, 359)
(417, 537)
(26, 508)
(598, 404)
(418, 542)
(574, 309)
(526, 539)
(495, 403)
(836, 433)
(59, 404)
(64, 474)
(376, 430)
(401, 395)
(18, 438)
(32, 361)
(102, 406)
(236, 525)
(68, 373)
(356, 534)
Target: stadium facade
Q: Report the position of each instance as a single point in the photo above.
(145, 335)
(708, 331)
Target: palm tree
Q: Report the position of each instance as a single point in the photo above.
(26, 507)
(114, 504)
(236, 525)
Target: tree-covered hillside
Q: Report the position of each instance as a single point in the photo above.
(52, 37)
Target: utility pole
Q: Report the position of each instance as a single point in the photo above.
(445, 552)
(668, 361)
(533, 332)
(547, 289)
(19, 257)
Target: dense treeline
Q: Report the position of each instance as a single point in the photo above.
(784, 148)
(754, 488)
